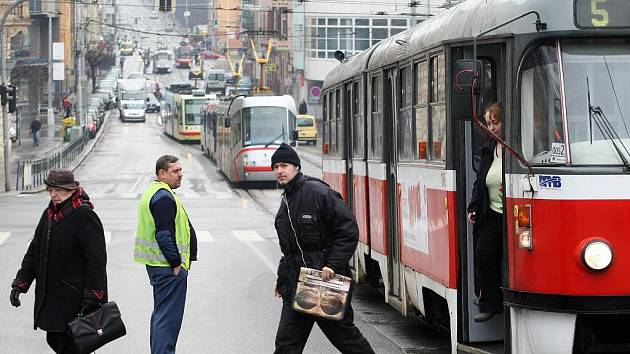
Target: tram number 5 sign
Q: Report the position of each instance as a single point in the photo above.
(602, 13)
(600, 16)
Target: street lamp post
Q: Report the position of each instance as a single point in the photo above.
(5, 118)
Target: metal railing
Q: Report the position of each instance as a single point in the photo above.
(31, 173)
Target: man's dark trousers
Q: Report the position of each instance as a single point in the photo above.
(169, 299)
(295, 328)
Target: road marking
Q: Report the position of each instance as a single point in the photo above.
(141, 175)
(4, 236)
(128, 195)
(108, 237)
(204, 236)
(224, 195)
(248, 237)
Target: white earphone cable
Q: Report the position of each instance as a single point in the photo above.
(284, 199)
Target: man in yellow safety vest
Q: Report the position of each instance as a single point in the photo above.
(166, 244)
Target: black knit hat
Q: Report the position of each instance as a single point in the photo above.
(285, 153)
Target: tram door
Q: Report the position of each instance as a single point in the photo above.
(468, 140)
(348, 107)
(389, 116)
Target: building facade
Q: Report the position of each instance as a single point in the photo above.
(324, 27)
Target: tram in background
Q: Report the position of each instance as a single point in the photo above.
(242, 133)
(181, 113)
(184, 55)
(401, 146)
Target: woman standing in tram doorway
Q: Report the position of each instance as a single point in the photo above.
(485, 211)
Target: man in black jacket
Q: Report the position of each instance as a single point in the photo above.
(316, 229)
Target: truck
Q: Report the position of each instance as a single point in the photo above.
(131, 98)
(133, 65)
(127, 48)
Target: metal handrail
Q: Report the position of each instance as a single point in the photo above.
(31, 173)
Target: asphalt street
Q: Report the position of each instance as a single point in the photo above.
(230, 307)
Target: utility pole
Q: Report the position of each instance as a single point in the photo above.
(186, 15)
(413, 4)
(51, 114)
(79, 73)
(3, 82)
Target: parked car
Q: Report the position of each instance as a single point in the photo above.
(212, 55)
(93, 123)
(153, 105)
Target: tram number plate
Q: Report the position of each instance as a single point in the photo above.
(602, 13)
(558, 153)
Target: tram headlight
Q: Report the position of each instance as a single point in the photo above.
(597, 255)
(247, 161)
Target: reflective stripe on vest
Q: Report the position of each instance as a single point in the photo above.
(147, 250)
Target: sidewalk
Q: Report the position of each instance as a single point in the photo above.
(51, 140)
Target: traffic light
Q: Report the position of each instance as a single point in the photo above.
(165, 5)
(3, 95)
(12, 98)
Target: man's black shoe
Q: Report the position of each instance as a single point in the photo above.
(483, 316)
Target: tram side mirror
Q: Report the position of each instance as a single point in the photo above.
(295, 135)
(467, 82)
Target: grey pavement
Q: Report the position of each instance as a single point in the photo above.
(51, 141)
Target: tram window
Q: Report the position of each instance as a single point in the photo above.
(236, 128)
(541, 113)
(333, 123)
(344, 101)
(405, 122)
(357, 125)
(438, 111)
(422, 118)
(376, 131)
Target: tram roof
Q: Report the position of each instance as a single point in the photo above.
(461, 22)
(355, 64)
(264, 101)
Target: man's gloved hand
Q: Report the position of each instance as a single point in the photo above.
(89, 305)
(15, 297)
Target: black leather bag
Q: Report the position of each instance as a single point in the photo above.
(93, 330)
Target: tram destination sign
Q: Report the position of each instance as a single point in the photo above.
(602, 13)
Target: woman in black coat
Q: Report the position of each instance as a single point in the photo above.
(485, 211)
(67, 258)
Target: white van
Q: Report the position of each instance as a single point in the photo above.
(215, 82)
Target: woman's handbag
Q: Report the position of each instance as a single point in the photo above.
(93, 330)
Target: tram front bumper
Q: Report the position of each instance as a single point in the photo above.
(258, 173)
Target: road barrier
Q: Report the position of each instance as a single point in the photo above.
(31, 173)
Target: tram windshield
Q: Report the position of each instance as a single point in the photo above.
(597, 136)
(603, 137)
(264, 125)
(193, 110)
(163, 56)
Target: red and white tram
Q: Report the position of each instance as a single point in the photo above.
(400, 144)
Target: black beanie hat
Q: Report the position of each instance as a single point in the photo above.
(285, 153)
